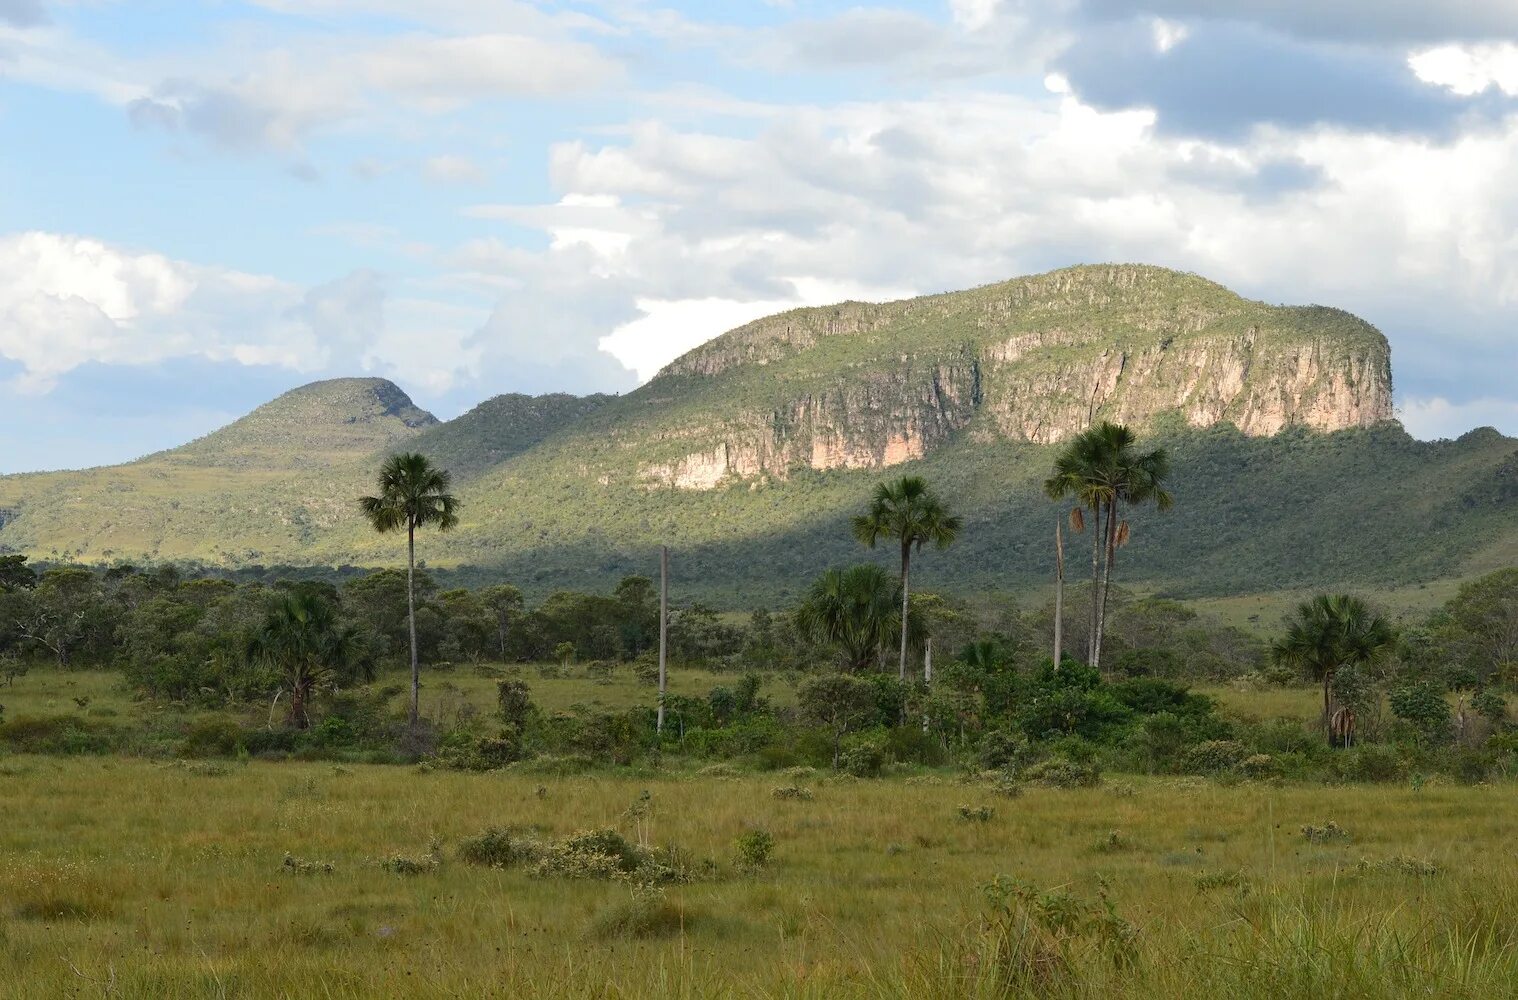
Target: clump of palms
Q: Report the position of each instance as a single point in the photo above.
(412, 494)
(1102, 470)
(856, 610)
(909, 512)
(302, 639)
(1327, 633)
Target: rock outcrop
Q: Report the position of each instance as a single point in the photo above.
(1036, 359)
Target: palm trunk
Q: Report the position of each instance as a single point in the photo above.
(1096, 572)
(1059, 592)
(663, 630)
(906, 569)
(1101, 610)
(1328, 707)
(298, 705)
(416, 672)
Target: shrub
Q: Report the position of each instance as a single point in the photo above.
(211, 738)
(1214, 757)
(1378, 762)
(1400, 864)
(497, 848)
(592, 854)
(401, 864)
(792, 793)
(1207, 881)
(1490, 706)
(755, 850)
(976, 814)
(1259, 766)
(1328, 833)
(1422, 704)
(1005, 750)
(647, 913)
(863, 758)
(300, 866)
(1061, 772)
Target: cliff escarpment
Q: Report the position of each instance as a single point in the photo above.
(1034, 359)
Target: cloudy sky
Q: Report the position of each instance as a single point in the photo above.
(204, 204)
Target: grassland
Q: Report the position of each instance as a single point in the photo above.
(123, 877)
(133, 879)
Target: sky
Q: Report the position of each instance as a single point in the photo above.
(205, 204)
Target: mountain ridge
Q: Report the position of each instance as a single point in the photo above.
(750, 451)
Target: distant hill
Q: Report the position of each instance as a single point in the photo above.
(749, 454)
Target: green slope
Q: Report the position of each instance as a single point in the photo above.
(966, 388)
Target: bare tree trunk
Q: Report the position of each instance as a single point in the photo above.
(1096, 567)
(663, 631)
(416, 671)
(1059, 592)
(927, 676)
(906, 572)
(1101, 611)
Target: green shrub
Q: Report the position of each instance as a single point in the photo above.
(212, 738)
(647, 913)
(1214, 757)
(1328, 833)
(497, 848)
(1061, 772)
(977, 814)
(755, 850)
(863, 757)
(1422, 705)
(1376, 762)
(791, 793)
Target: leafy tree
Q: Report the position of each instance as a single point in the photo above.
(1481, 627)
(907, 511)
(854, 610)
(66, 609)
(15, 574)
(1329, 632)
(1102, 469)
(302, 639)
(504, 602)
(412, 494)
(839, 702)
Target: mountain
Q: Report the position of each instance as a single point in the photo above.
(501, 428)
(749, 454)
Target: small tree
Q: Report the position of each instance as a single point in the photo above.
(412, 494)
(840, 703)
(301, 639)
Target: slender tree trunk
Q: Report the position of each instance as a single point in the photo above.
(1328, 715)
(298, 704)
(416, 671)
(663, 630)
(1110, 531)
(1059, 592)
(927, 677)
(1096, 572)
(906, 572)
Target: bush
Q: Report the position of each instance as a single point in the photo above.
(1214, 756)
(755, 849)
(1328, 833)
(212, 738)
(863, 757)
(1061, 772)
(1422, 704)
(648, 913)
(976, 814)
(497, 848)
(1005, 750)
(792, 793)
(1376, 762)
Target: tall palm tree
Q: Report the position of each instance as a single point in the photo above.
(412, 494)
(908, 511)
(1327, 633)
(302, 639)
(1102, 469)
(855, 610)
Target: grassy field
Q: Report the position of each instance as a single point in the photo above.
(133, 879)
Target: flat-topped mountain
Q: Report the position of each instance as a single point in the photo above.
(750, 453)
(1034, 359)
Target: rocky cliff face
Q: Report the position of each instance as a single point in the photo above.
(1037, 359)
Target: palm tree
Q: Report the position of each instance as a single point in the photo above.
(301, 638)
(1327, 633)
(855, 610)
(412, 495)
(911, 513)
(1102, 469)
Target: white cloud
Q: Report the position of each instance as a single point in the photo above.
(1469, 69)
(1430, 419)
(68, 301)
